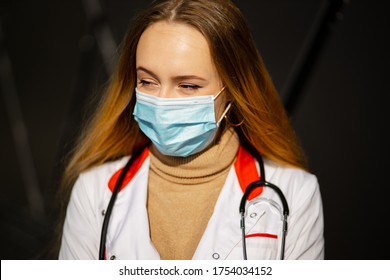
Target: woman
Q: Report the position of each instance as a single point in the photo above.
(192, 103)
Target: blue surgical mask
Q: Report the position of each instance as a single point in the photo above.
(177, 126)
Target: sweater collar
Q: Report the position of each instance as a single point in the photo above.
(201, 167)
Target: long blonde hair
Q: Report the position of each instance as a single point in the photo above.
(264, 125)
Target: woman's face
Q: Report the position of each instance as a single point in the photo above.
(173, 60)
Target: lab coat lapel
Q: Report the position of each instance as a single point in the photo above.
(223, 231)
(129, 224)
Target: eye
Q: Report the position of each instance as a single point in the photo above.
(147, 84)
(189, 86)
(144, 83)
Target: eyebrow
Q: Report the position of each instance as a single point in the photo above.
(180, 77)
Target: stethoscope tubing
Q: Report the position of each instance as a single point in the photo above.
(249, 189)
(110, 206)
(262, 183)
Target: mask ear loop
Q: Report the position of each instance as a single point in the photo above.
(233, 124)
(226, 109)
(224, 113)
(215, 96)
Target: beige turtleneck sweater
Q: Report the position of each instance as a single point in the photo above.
(182, 193)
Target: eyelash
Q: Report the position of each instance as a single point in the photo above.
(184, 86)
(144, 83)
(190, 87)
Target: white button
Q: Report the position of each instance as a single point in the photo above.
(215, 256)
(253, 215)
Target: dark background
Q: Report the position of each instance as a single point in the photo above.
(329, 60)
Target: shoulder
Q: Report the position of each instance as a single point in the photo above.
(93, 182)
(104, 171)
(288, 174)
(297, 184)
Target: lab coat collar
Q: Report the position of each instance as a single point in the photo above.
(129, 222)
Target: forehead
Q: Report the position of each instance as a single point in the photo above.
(175, 45)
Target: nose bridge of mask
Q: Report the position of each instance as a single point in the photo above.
(164, 101)
(170, 101)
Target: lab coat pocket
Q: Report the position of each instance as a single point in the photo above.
(262, 246)
(263, 234)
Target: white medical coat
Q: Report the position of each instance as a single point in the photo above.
(128, 235)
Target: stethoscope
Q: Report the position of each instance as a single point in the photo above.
(249, 189)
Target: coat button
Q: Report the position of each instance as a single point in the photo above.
(113, 257)
(215, 256)
(253, 215)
